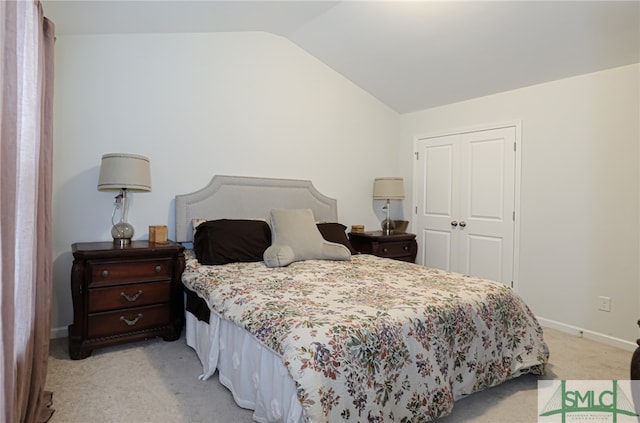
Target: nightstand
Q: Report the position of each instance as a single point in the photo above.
(396, 246)
(124, 294)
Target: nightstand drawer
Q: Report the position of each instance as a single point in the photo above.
(133, 295)
(395, 249)
(398, 246)
(109, 273)
(128, 320)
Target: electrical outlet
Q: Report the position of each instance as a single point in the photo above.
(604, 303)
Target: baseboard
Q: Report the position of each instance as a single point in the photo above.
(584, 333)
(59, 332)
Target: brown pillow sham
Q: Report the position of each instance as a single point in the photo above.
(335, 232)
(225, 241)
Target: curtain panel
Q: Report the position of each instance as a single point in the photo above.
(26, 100)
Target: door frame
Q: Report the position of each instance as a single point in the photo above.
(517, 124)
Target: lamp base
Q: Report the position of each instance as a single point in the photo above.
(388, 226)
(122, 233)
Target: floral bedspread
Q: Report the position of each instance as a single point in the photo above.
(375, 339)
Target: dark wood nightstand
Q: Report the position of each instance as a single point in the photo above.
(124, 294)
(396, 246)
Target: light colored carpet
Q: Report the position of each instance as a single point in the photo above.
(157, 382)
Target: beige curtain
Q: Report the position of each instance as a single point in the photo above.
(26, 40)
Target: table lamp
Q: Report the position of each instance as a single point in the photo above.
(388, 188)
(123, 172)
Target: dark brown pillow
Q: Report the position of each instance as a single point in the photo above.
(225, 241)
(335, 232)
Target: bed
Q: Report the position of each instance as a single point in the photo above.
(360, 338)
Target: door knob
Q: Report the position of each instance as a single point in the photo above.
(454, 223)
(463, 224)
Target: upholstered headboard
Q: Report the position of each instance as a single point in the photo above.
(242, 197)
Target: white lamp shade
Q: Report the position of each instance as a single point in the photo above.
(388, 188)
(124, 171)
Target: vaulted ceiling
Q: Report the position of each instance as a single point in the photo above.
(411, 55)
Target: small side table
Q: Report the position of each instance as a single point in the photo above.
(124, 294)
(401, 246)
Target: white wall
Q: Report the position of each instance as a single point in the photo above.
(255, 104)
(580, 188)
(197, 105)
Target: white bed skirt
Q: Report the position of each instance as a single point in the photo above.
(254, 374)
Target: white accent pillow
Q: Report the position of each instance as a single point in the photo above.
(296, 237)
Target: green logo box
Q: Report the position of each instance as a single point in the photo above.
(564, 401)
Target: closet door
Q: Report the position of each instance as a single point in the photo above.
(436, 182)
(465, 191)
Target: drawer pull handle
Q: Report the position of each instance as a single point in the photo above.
(384, 250)
(406, 248)
(131, 298)
(105, 273)
(158, 268)
(131, 322)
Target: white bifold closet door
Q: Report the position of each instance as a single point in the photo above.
(465, 202)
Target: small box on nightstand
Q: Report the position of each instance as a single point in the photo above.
(358, 229)
(158, 234)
